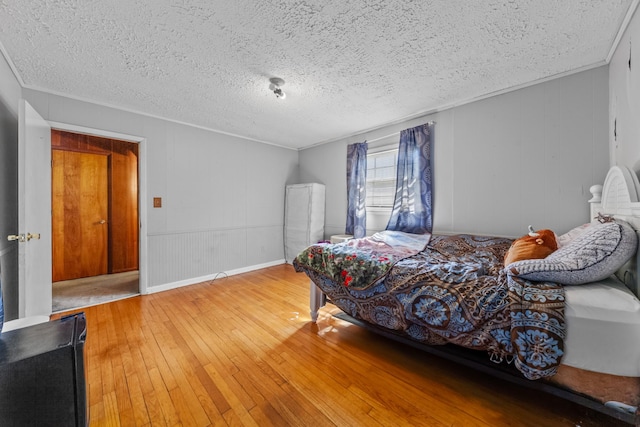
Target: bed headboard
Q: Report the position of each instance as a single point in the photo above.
(620, 197)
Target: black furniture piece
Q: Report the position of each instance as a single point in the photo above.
(42, 375)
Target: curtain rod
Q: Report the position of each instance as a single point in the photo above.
(432, 122)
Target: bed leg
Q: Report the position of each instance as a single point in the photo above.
(316, 301)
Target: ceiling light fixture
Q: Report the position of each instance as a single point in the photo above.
(276, 82)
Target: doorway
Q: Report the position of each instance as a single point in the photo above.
(95, 199)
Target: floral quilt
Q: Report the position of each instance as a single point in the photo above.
(454, 291)
(357, 263)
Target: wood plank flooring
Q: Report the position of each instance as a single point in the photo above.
(241, 351)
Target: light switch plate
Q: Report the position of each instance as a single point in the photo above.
(157, 202)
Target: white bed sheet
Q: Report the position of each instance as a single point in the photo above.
(603, 328)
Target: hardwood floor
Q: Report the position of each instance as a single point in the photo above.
(242, 351)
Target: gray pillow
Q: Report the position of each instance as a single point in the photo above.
(594, 255)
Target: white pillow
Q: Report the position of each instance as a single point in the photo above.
(593, 255)
(569, 236)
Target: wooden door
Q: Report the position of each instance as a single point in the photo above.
(123, 192)
(80, 208)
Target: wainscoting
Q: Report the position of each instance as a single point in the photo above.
(180, 256)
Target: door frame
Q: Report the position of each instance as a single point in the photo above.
(142, 188)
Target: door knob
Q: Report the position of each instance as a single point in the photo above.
(23, 237)
(102, 221)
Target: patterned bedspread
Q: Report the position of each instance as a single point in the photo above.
(456, 291)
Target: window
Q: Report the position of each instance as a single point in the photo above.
(381, 178)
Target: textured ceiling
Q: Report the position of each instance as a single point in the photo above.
(349, 65)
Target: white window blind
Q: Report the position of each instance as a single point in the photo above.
(381, 178)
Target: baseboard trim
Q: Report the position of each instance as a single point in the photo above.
(194, 280)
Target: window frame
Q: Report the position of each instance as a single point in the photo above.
(387, 148)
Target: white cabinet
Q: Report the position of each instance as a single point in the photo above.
(303, 218)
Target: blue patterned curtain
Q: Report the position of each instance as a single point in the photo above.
(356, 189)
(412, 211)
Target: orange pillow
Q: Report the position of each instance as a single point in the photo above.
(536, 245)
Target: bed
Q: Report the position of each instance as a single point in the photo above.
(533, 321)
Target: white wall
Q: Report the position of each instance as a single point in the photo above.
(525, 157)
(10, 92)
(624, 98)
(222, 196)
